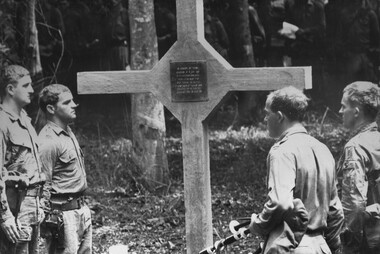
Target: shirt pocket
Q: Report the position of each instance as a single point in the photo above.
(19, 141)
(67, 158)
(20, 152)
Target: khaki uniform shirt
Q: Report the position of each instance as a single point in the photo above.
(19, 158)
(301, 167)
(359, 169)
(62, 160)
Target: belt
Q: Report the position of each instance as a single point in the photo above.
(69, 204)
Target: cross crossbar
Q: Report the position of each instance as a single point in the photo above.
(221, 78)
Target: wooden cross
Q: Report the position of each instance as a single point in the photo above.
(191, 80)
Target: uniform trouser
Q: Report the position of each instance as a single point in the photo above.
(312, 244)
(29, 217)
(77, 233)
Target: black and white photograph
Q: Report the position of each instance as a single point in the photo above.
(189, 126)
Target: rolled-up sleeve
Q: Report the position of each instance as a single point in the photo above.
(48, 155)
(281, 184)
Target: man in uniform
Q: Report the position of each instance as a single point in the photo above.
(300, 168)
(69, 218)
(359, 169)
(21, 177)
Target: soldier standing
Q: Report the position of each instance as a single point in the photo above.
(69, 218)
(359, 169)
(21, 177)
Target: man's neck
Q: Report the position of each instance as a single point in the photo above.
(290, 125)
(360, 124)
(59, 123)
(11, 106)
(287, 126)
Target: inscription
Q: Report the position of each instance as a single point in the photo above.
(188, 81)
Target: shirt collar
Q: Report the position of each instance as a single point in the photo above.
(14, 117)
(292, 130)
(364, 128)
(58, 130)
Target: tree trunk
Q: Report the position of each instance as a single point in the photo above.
(148, 123)
(8, 42)
(31, 54)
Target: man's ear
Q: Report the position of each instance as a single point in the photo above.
(357, 111)
(50, 109)
(10, 89)
(280, 116)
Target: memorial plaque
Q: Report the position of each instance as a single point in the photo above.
(188, 81)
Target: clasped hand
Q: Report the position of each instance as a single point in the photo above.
(10, 228)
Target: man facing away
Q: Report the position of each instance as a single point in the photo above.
(301, 175)
(359, 169)
(69, 218)
(21, 177)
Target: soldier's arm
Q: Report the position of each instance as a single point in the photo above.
(354, 188)
(7, 220)
(281, 182)
(48, 155)
(335, 221)
(5, 213)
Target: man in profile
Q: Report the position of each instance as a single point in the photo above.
(359, 169)
(69, 218)
(301, 176)
(21, 177)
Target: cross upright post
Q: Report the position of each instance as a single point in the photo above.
(191, 80)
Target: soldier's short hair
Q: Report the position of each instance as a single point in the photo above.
(291, 101)
(11, 74)
(49, 95)
(364, 94)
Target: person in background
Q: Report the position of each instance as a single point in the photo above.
(117, 36)
(215, 34)
(166, 26)
(68, 219)
(358, 40)
(308, 46)
(359, 169)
